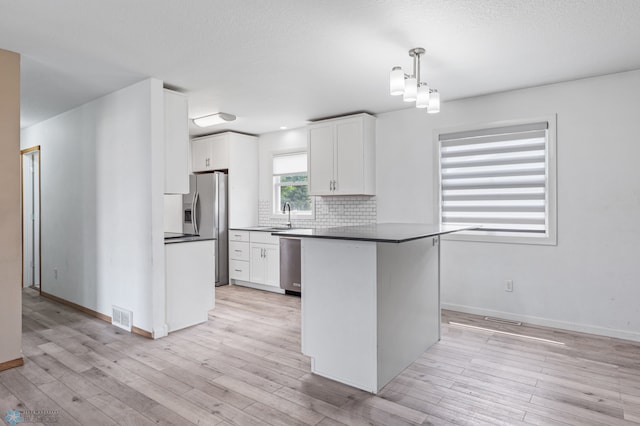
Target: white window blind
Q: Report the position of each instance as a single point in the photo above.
(289, 163)
(498, 178)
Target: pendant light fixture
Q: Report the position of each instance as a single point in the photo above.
(411, 87)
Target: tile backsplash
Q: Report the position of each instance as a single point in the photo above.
(330, 211)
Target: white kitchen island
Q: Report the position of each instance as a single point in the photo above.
(370, 299)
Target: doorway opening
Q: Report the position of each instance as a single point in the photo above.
(31, 251)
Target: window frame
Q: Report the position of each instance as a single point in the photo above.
(550, 236)
(277, 214)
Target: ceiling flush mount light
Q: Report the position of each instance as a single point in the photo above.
(411, 87)
(213, 119)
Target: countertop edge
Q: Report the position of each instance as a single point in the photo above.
(365, 239)
(188, 240)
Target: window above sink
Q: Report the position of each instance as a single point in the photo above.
(291, 185)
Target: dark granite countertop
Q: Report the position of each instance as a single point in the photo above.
(377, 232)
(174, 238)
(263, 229)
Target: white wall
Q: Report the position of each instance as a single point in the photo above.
(102, 203)
(273, 143)
(590, 281)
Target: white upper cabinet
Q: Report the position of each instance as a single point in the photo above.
(320, 158)
(341, 156)
(210, 153)
(176, 143)
(238, 154)
(200, 155)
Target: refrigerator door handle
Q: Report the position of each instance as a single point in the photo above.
(194, 209)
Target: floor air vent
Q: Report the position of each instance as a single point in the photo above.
(502, 321)
(121, 318)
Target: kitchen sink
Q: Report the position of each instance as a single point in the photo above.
(268, 228)
(278, 228)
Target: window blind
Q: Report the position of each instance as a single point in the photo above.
(496, 178)
(286, 164)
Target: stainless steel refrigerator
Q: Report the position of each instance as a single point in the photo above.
(205, 214)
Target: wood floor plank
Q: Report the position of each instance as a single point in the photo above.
(35, 374)
(164, 416)
(394, 409)
(65, 357)
(302, 414)
(324, 408)
(119, 390)
(227, 412)
(8, 401)
(75, 404)
(244, 367)
(273, 416)
(120, 412)
(33, 398)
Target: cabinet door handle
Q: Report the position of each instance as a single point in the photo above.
(238, 251)
(330, 185)
(238, 270)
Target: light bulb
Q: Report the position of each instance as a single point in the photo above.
(434, 102)
(396, 81)
(422, 100)
(410, 90)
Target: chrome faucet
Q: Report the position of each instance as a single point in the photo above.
(284, 208)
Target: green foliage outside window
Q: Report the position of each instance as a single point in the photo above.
(296, 195)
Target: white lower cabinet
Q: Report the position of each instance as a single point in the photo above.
(254, 260)
(239, 270)
(265, 264)
(239, 254)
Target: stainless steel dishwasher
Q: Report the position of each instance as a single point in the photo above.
(290, 265)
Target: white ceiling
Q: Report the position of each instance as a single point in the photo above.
(283, 62)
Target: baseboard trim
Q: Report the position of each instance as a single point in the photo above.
(140, 332)
(11, 364)
(77, 307)
(546, 322)
(103, 317)
(256, 286)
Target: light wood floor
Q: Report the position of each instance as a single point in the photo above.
(244, 367)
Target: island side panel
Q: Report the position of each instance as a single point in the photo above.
(408, 304)
(190, 275)
(339, 310)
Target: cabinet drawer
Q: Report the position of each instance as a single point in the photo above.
(239, 270)
(238, 235)
(238, 250)
(264, 238)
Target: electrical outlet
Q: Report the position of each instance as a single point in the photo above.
(508, 285)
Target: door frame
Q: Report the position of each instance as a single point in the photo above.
(39, 201)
